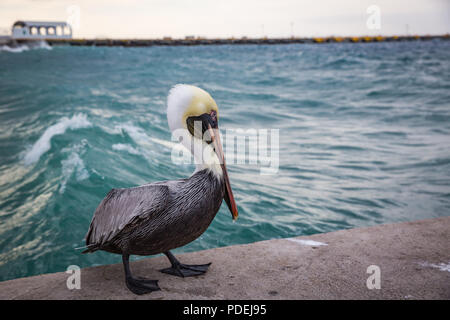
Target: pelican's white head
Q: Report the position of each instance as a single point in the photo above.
(193, 116)
(189, 105)
(186, 101)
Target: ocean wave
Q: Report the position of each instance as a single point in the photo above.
(346, 159)
(17, 49)
(42, 145)
(73, 164)
(40, 45)
(165, 143)
(26, 47)
(136, 133)
(140, 138)
(125, 147)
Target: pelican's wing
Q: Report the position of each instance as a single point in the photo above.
(121, 207)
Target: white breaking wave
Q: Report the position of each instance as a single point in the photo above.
(137, 134)
(17, 49)
(25, 47)
(125, 147)
(40, 45)
(166, 143)
(43, 144)
(73, 164)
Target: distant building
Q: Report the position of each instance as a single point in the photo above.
(35, 30)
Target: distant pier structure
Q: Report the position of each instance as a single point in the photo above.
(60, 33)
(40, 30)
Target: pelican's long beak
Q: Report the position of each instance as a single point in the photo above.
(229, 198)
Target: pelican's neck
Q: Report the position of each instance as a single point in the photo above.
(215, 168)
(204, 155)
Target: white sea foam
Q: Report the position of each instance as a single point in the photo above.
(25, 47)
(137, 134)
(165, 143)
(140, 137)
(42, 145)
(73, 164)
(39, 45)
(125, 147)
(17, 49)
(143, 141)
(307, 242)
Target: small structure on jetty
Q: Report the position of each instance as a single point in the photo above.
(40, 30)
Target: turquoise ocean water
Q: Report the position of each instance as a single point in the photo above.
(364, 133)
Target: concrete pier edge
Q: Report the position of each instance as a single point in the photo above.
(412, 260)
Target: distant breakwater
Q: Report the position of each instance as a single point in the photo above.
(228, 41)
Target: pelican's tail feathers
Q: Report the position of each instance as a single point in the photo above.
(89, 248)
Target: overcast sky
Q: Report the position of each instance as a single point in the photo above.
(217, 18)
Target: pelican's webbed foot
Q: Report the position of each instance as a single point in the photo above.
(138, 285)
(184, 270)
(141, 285)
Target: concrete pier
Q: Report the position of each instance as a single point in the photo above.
(413, 260)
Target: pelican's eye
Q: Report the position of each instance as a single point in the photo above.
(213, 116)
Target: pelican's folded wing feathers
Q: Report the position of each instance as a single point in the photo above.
(122, 207)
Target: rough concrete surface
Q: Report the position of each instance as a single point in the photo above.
(413, 257)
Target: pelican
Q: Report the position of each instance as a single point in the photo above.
(158, 217)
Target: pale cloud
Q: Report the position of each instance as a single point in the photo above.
(253, 18)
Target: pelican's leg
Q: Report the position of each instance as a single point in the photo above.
(137, 285)
(184, 270)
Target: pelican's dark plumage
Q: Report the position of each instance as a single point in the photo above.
(158, 217)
